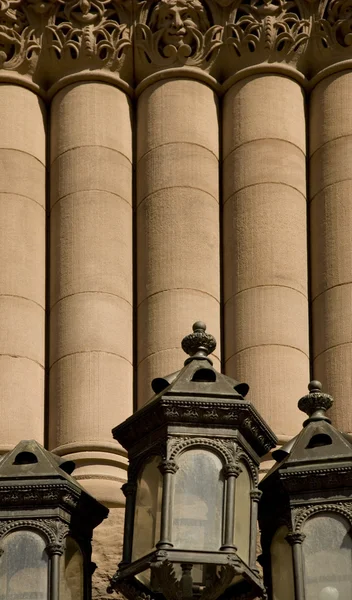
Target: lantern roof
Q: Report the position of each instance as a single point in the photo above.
(31, 477)
(30, 460)
(198, 395)
(320, 456)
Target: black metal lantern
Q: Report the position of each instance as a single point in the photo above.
(305, 513)
(46, 524)
(191, 495)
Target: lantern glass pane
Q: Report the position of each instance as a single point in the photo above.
(282, 566)
(243, 513)
(24, 572)
(148, 509)
(327, 553)
(71, 572)
(198, 501)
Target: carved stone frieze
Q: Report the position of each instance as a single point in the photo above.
(128, 40)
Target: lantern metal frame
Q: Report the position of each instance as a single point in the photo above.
(38, 494)
(312, 476)
(196, 407)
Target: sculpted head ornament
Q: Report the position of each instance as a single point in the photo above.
(177, 20)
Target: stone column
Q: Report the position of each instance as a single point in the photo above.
(264, 241)
(331, 240)
(22, 260)
(178, 277)
(91, 281)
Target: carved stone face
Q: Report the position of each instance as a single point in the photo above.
(177, 18)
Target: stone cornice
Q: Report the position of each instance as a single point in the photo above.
(47, 44)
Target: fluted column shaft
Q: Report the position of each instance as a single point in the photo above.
(264, 242)
(22, 265)
(178, 275)
(91, 281)
(331, 239)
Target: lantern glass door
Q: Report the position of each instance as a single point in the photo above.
(24, 569)
(282, 566)
(243, 513)
(198, 501)
(327, 551)
(71, 572)
(148, 509)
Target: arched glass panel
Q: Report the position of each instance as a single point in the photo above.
(243, 513)
(148, 509)
(282, 566)
(24, 567)
(71, 572)
(327, 552)
(198, 501)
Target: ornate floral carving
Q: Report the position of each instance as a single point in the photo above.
(97, 30)
(177, 32)
(334, 30)
(272, 28)
(254, 430)
(19, 42)
(231, 470)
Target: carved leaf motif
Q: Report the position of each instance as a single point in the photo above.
(19, 45)
(335, 29)
(166, 580)
(219, 585)
(274, 26)
(96, 29)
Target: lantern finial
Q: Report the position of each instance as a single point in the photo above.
(315, 403)
(199, 343)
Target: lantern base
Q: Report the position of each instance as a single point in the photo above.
(176, 575)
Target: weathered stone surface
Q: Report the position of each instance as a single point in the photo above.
(107, 552)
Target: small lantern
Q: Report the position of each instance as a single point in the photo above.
(305, 513)
(46, 524)
(191, 495)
